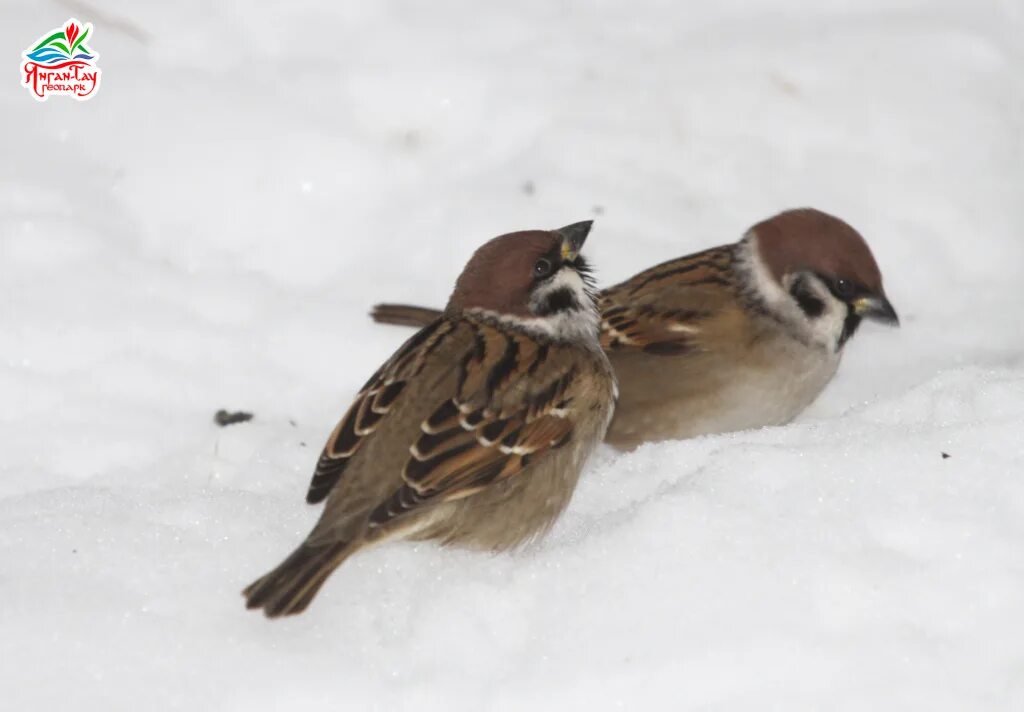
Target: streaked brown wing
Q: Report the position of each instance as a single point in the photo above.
(513, 405)
(660, 310)
(373, 403)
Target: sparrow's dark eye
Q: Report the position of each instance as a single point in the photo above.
(542, 268)
(844, 288)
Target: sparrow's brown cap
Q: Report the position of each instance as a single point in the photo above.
(808, 239)
(501, 273)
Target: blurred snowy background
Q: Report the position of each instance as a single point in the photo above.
(210, 230)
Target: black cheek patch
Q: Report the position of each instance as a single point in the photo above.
(811, 306)
(808, 303)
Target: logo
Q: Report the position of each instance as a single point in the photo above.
(61, 64)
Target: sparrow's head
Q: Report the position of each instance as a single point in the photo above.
(536, 277)
(827, 269)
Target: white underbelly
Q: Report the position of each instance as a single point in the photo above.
(759, 398)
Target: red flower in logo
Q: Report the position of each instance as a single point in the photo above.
(71, 32)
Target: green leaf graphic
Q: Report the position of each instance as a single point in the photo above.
(62, 47)
(49, 39)
(79, 41)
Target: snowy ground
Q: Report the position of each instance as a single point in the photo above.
(210, 230)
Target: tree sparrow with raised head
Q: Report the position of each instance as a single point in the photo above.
(475, 431)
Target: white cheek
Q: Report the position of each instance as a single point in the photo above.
(827, 327)
(564, 279)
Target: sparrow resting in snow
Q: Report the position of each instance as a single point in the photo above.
(739, 336)
(474, 432)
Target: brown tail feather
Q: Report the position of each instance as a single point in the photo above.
(403, 315)
(291, 587)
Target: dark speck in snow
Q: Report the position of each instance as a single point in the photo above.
(223, 417)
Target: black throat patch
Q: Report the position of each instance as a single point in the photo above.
(562, 299)
(849, 327)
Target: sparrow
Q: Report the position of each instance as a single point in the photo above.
(475, 431)
(740, 336)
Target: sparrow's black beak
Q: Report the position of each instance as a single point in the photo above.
(876, 308)
(573, 236)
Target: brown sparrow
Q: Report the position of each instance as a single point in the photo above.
(739, 336)
(474, 432)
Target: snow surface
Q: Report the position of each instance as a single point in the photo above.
(210, 230)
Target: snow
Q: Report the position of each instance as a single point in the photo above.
(210, 230)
